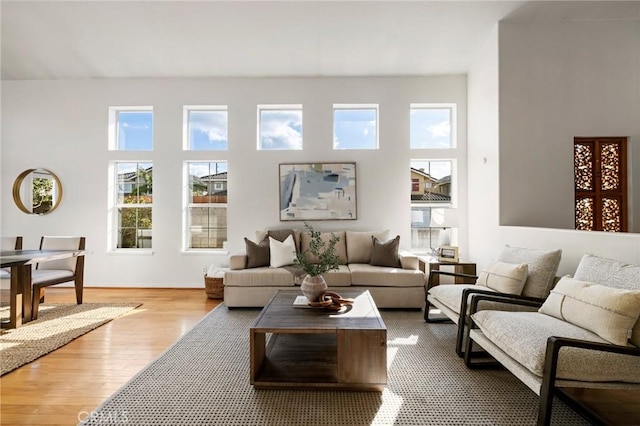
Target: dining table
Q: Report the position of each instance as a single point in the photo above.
(21, 263)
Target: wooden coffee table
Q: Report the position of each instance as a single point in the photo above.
(316, 348)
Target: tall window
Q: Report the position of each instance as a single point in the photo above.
(205, 128)
(131, 128)
(133, 206)
(430, 202)
(600, 166)
(279, 127)
(355, 126)
(206, 213)
(432, 126)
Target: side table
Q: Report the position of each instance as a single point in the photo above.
(428, 264)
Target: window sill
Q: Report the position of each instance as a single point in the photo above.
(133, 252)
(196, 252)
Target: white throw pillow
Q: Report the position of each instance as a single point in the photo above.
(282, 253)
(608, 312)
(504, 277)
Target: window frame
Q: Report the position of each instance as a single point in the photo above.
(186, 110)
(113, 127)
(453, 107)
(278, 107)
(188, 204)
(353, 107)
(115, 205)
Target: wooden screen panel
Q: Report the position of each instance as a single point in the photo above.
(600, 183)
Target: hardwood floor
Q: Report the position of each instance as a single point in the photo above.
(65, 385)
(68, 383)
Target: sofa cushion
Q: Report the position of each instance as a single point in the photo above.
(359, 245)
(385, 253)
(259, 277)
(380, 276)
(542, 265)
(504, 277)
(280, 235)
(523, 336)
(282, 253)
(341, 245)
(608, 312)
(612, 273)
(338, 278)
(257, 254)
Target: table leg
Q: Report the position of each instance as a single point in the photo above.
(15, 298)
(25, 278)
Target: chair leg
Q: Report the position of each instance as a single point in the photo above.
(36, 299)
(460, 335)
(79, 289)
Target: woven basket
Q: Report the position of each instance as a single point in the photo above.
(214, 287)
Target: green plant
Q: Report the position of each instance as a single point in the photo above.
(327, 257)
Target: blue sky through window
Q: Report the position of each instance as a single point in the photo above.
(135, 130)
(355, 128)
(280, 129)
(430, 128)
(208, 130)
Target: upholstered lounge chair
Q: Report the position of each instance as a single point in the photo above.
(531, 282)
(58, 271)
(586, 334)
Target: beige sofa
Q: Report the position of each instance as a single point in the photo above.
(586, 334)
(402, 286)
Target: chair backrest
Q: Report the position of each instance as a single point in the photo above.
(612, 273)
(61, 243)
(543, 265)
(11, 243)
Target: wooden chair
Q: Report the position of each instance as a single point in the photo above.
(58, 271)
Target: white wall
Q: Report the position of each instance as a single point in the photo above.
(62, 126)
(489, 118)
(559, 80)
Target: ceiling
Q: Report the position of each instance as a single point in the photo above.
(147, 39)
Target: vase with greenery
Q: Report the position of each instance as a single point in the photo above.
(326, 259)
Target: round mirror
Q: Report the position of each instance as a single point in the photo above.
(37, 191)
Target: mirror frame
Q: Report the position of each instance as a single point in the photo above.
(17, 184)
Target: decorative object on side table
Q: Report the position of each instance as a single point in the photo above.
(324, 259)
(448, 254)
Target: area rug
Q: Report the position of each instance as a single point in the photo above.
(57, 325)
(203, 379)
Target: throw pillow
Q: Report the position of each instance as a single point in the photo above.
(359, 245)
(282, 234)
(608, 312)
(385, 254)
(542, 264)
(504, 277)
(257, 254)
(282, 253)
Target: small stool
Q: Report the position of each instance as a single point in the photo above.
(213, 282)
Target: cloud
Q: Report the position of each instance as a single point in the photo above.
(213, 124)
(281, 129)
(439, 130)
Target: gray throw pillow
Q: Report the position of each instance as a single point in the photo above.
(257, 254)
(385, 254)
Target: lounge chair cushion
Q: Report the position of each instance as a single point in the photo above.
(608, 312)
(611, 273)
(504, 277)
(542, 264)
(523, 336)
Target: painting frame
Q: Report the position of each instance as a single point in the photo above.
(313, 191)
